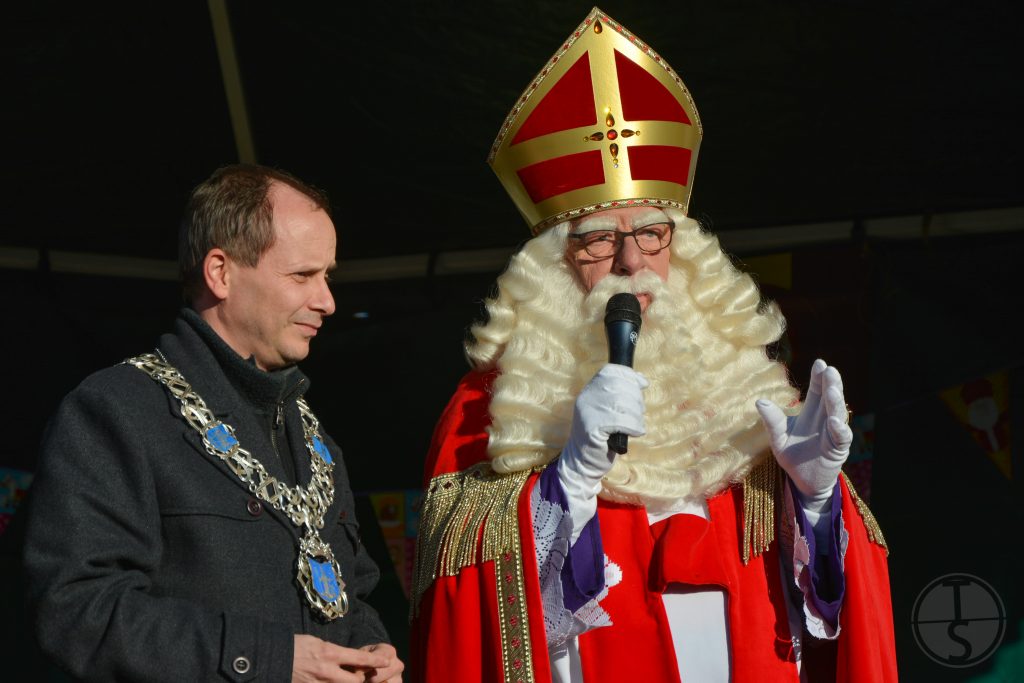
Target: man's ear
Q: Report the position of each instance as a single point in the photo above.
(215, 273)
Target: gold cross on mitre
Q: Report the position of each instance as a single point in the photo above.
(612, 134)
(572, 143)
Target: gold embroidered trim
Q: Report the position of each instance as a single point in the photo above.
(471, 517)
(467, 517)
(516, 653)
(760, 489)
(870, 523)
(601, 206)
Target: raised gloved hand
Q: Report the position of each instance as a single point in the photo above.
(812, 446)
(611, 402)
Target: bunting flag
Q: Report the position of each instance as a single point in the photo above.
(862, 452)
(982, 406)
(13, 488)
(398, 516)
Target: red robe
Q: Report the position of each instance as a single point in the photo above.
(464, 623)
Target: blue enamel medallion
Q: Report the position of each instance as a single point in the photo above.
(321, 449)
(324, 581)
(220, 438)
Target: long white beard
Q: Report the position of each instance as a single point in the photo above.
(664, 343)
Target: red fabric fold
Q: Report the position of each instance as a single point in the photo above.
(686, 552)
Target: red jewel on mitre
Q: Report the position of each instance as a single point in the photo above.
(606, 123)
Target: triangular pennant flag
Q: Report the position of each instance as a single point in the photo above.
(983, 407)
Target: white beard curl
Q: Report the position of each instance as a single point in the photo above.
(701, 346)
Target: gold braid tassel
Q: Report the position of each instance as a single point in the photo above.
(760, 489)
(458, 509)
(870, 523)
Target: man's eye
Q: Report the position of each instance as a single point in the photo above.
(653, 233)
(598, 237)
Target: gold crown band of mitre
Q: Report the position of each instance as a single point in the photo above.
(552, 174)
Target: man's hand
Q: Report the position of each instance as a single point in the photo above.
(611, 402)
(392, 673)
(317, 661)
(812, 446)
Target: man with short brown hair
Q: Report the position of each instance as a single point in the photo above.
(190, 519)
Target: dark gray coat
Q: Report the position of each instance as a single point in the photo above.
(148, 559)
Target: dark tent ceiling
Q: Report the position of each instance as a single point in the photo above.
(812, 111)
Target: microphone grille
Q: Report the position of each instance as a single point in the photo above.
(623, 307)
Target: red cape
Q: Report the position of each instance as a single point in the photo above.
(467, 630)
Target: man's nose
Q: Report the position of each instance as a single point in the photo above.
(324, 299)
(630, 259)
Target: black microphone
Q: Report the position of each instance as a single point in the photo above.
(622, 325)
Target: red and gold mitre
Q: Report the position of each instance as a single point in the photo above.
(606, 123)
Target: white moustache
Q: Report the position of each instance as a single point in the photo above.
(645, 281)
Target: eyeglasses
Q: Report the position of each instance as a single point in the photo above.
(602, 244)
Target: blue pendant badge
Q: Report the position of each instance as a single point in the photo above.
(321, 450)
(324, 580)
(221, 438)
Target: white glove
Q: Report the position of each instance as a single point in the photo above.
(611, 402)
(812, 446)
